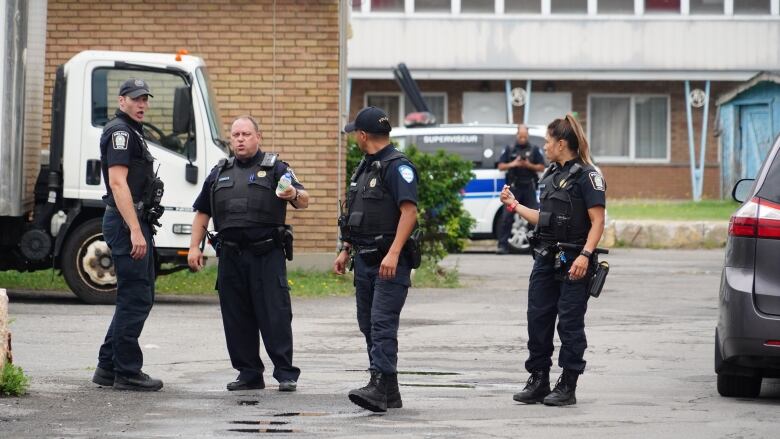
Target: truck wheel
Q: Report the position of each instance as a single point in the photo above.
(739, 386)
(87, 265)
(518, 236)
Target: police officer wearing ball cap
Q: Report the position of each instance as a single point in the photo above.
(573, 199)
(521, 162)
(381, 214)
(127, 168)
(249, 215)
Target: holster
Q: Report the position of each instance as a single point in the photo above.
(283, 237)
(598, 279)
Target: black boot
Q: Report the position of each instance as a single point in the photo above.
(537, 387)
(393, 393)
(563, 393)
(374, 395)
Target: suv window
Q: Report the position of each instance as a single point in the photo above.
(168, 122)
(770, 189)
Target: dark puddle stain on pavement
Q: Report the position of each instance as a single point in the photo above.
(425, 372)
(260, 422)
(452, 386)
(285, 415)
(264, 430)
(248, 402)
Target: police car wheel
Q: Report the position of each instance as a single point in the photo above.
(87, 265)
(518, 236)
(739, 386)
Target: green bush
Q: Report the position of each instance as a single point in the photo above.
(13, 382)
(444, 223)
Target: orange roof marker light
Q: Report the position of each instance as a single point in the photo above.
(180, 53)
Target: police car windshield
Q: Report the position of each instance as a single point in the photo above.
(211, 108)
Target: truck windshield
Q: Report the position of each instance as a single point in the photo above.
(211, 108)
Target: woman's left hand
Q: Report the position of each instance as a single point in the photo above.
(578, 268)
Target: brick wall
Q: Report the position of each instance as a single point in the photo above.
(672, 180)
(236, 39)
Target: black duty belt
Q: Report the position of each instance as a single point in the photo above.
(257, 247)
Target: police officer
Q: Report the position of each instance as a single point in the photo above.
(521, 161)
(573, 199)
(381, 214)
(127, 168)
(249, 215)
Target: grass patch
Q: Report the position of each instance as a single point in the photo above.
(430, 275)
(303, 283)
(13, 381)
(705, 210)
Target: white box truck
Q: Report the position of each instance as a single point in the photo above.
(54, 220)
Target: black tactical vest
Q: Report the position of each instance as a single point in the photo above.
(246, 196)
(562, 216)
(520, 175)
(372, 210)
(140, 172)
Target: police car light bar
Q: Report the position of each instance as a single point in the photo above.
(419, 118)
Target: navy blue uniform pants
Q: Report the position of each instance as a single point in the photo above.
(525, 194)
(549, 299)
(120, 351)
(379, 304)
(254, 296)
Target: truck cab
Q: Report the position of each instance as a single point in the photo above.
(183, 131)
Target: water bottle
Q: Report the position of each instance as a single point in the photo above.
(284, 182)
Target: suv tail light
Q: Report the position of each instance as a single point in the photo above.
(758, 218)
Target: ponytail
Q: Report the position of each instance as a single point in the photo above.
(570, 130)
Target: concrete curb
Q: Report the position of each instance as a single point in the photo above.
(665, 234)
(5, 354)
(650, 234)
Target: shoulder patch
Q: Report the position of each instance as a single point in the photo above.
(406, 173)
(597, 181)
(119, 139)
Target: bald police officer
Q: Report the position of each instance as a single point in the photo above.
(249, 216)
(382, 212)
(128, 173)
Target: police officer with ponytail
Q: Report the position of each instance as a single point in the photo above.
(572, 204)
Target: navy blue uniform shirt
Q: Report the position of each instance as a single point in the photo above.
(120, 146)
(531, 152)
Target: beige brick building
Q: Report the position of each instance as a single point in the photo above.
(280, 65)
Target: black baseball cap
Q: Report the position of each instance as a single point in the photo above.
(134, 88)
(370, 120)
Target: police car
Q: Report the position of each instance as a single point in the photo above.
(482, 145)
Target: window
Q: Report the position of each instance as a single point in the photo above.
(432, 6)
(386, 5)
(569, 6)
(357, 5)
(752, 6)
(629, 127)
(167, 122)
(523, 6)
(396, 107)
(662, 6)
(616, 6)
(478, 6)
(706, 7)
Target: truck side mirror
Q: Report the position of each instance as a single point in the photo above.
(191, 173)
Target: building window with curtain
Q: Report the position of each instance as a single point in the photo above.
(662, 6)
(623, 7)
(706, 7)
(629, 128)
(386, 5)
(569, 6)
(522, 6)
(752, 7)
(432, 6)
(477, 6)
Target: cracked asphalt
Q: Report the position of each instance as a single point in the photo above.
(649, 373)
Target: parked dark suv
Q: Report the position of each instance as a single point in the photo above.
(747, 339)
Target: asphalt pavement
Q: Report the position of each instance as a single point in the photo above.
(649, 374)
